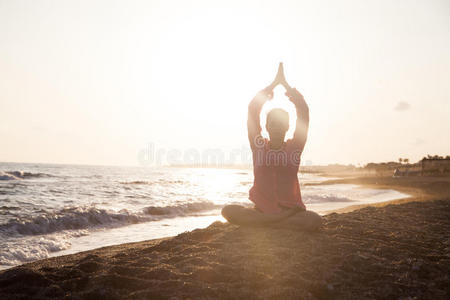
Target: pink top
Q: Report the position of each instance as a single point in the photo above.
(275, 171)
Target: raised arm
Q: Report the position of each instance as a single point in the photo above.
(301, 128)
(254, 110)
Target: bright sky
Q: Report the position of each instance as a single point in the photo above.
(95, 82)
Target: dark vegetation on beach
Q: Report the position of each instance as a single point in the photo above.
(396, 251)
(430, 165)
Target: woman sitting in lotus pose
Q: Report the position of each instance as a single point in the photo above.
(276, 191)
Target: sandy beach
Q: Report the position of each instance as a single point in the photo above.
(169, 149)
(395, 250)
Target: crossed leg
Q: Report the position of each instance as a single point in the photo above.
(290, 218)
(303, 220)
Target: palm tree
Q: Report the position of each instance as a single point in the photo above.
(400, 160)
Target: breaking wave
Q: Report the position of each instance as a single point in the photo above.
(18, 175)
(324, 198)
(136, 182)
(182, 209)
(88, 217)
(67, 219)
(159, 181)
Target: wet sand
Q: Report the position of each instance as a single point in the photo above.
(398, 250)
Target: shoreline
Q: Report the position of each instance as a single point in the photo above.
(84, 243)
(412, 193)
(418, 188)
(375, 250)
(335, 180)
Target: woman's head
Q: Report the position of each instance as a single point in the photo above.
(277, 123)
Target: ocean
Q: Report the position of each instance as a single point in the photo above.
(48, 210)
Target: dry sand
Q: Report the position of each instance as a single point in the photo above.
(392, 251)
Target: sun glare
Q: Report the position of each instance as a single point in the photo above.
(279, 101)
(222, 63)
